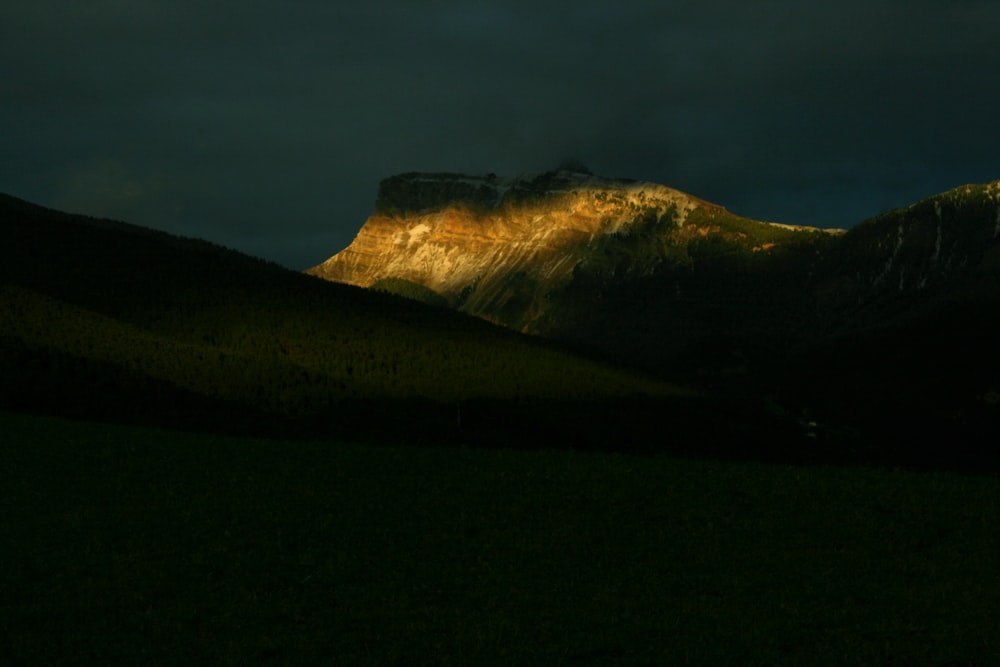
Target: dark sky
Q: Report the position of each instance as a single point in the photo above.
(265, 125)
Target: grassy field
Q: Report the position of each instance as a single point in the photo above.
(122, 545)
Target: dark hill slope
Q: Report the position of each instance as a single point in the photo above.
(942, 249)
(90, 305)
(885, 336)
(903, 341)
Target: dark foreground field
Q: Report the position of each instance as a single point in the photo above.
(122, 545)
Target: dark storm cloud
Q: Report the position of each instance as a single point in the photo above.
(267, 125)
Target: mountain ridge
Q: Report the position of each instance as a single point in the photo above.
(509, 250)
(884, 329)
(112, 321)
(497, 248)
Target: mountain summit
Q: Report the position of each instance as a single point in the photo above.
(888, 329)
(501, 248)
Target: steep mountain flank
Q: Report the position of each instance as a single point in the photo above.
(636, 269)
(907, 315)
(504, 249)
(945, 248)
(887, 330)
(649, 273)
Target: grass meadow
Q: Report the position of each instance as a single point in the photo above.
(129, 545)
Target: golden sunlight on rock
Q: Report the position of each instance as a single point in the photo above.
(489, 244)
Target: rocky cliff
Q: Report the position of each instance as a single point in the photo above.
(502, 248)
(885, 336)
(654, 276)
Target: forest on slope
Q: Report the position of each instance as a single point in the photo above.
(102, 318)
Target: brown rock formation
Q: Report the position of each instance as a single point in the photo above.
(495, 247)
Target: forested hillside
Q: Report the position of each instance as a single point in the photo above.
(102, 317)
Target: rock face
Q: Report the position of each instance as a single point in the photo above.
(502, 248)
(654, 277)
(887, 330)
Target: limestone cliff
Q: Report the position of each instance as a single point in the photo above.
(499, 247)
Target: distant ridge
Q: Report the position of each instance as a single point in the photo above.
(886, 326)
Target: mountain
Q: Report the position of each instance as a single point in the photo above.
(874, 345)
(945, 247)
(502, 249)
(890, 323)
(638, 270)
(906, 315)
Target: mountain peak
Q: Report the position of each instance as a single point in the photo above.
(416, 192)
(497, 247)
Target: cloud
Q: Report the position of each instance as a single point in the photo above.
(257, 122)
(104, 186)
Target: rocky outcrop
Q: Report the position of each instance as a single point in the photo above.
(643, 271)
(498, 247)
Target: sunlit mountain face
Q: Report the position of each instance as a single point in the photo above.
(507, 249)
(869, 341)
(576, 256)
(892, 317)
